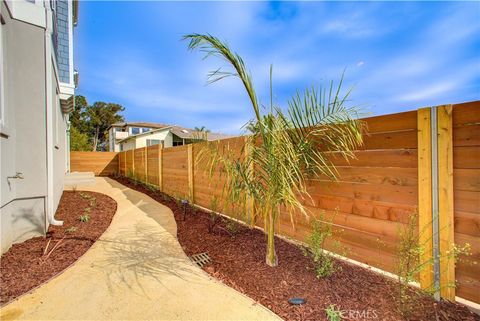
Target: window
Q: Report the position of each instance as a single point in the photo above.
(151, 142)
(135, 130)
(177, 143)
(121, 147)
(144, 130)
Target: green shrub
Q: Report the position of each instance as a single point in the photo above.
(324, 263)
(84, 218)
(71, 229)
(214, 216)
(333, 314)
(408, 265)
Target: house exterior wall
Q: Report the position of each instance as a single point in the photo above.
(141, 141)
(128, 145)
(27, 80)
(23, 146)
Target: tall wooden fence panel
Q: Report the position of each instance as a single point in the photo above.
(152, 164)
(100, 163)
(209, 183)
(375, 196)
(466, 184)
(175, 171)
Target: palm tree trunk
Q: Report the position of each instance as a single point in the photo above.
(271, 258)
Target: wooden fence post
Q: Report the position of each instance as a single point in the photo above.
(145, 163)
(250, 202)
(425, 196)
(133, 163)
(119, 171)
(125, 163)
(445, 202)
(191, 194)
(160, 168)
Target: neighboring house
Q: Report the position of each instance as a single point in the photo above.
(126, 136)
(36, 95)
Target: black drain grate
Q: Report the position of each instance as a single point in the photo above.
(201, 259)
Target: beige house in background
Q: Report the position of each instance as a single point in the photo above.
(36, 95)
(127, 136)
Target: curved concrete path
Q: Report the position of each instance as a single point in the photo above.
(136, 270)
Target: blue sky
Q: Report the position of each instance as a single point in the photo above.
(398, 56)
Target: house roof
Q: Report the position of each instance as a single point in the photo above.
(139, 124)
(181, 132)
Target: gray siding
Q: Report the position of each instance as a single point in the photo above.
(63, 55)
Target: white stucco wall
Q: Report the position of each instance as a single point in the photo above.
(141, 140)
(23, 145)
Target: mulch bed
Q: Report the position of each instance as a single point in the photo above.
(239, 261)
(25, 266)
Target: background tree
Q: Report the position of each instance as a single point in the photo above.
(286, 148)
(92, 122)
(99, 117)
(79, 141)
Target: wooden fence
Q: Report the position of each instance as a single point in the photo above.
(390, 179)
(100, 163)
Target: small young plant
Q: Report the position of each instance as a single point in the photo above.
(333, 314)
(408, 265)
(214, 216)
(232, 227)
(84, 218)
(71, 229)
(84, 195)
(324, 263)
(87, 209)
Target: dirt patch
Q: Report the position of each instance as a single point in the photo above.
(26, 265)
(239, 261)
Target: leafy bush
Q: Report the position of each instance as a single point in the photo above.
(84, 218)
(321, 232)
(214, 216)
(333, 314)
(71, 229)
(408, 265)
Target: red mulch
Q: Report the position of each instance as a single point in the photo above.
(239, 261)
(24, 267)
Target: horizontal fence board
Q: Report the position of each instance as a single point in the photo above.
(466, 157)
(467, 201)
(396, 194)
(466, 113)
(378, 158)
(466, 136)
(392, 122)
(468, 268)
(376, 175)
(390, 140)
(467, 223)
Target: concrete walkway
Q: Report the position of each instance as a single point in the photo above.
(137, 270)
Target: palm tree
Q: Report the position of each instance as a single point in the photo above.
(202, 129)
(286, 148)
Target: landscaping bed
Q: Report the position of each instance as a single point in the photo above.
(238, 260)
(27, 265)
